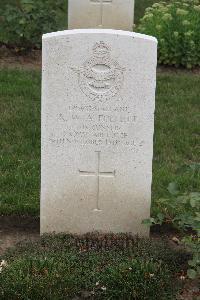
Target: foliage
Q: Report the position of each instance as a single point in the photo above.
(140, 6)
(183, 211)
(177, 28)
(193, 244)
(22, 25)
(92, 266)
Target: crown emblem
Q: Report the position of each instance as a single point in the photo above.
(100, 77)
(101, 49)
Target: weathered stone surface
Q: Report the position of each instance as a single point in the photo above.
(110, 14)
(98, 98)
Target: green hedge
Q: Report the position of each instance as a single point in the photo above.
(23, 23)
(177, 28)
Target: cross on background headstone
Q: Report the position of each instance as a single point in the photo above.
(101, 3)
(108, 14)
(97, 174)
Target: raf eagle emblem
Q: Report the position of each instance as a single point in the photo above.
(100, 77)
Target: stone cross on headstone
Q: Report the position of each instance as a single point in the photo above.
(97, 174)
(101, 3)
(110, 14)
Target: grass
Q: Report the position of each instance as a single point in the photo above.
(175, 143)
(92, 267)
(20, 143)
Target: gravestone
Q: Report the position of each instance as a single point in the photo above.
(113, 14)
(98, 98)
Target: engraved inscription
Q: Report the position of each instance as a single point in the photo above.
(101, 3)
(100, 77)
(97, 174)
(96, 125)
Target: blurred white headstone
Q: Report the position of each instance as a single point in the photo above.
(110, 14)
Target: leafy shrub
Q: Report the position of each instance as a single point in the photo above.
(183, 211)
(176, 25)
(22, 25)
(193, 244)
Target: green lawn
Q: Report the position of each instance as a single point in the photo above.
(111, 267)
(20, 149)
(176, 137)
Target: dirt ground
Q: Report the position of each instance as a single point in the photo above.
(16, 229)
(33, 60)
(9, 59)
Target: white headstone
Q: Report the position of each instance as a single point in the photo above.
(98, 98)
(113, 14)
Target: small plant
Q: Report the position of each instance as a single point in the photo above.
(193, 244)
(176, 26)
(22, 25)
(183, 211)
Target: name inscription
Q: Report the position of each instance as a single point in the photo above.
(94, 125)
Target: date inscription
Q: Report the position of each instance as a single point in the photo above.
(87, 125)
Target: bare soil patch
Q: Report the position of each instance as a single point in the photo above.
(33, 60)
(14, 229)
(10, 59)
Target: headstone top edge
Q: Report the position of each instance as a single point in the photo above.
(103, 31)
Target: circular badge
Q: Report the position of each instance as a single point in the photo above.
(101, 77)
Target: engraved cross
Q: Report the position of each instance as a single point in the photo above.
(101, 3)
(97, 174)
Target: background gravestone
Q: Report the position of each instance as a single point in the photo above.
(113, 14)
(98, 98)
